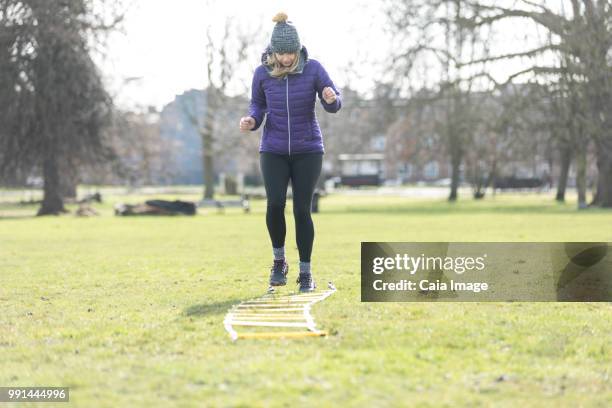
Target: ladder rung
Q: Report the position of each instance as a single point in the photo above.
(293, 309)
(270, 324)
(269, 335)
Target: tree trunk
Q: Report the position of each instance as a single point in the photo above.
(566, 159)
(603, 195)
(581, 177)
(492, 176)
(207, 146)
(52, 200)
(208, 166)
(480, 183)
(455, 164)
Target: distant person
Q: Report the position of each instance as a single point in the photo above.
(284, 91)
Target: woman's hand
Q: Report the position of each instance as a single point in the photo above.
(247, 123)
(329, 95)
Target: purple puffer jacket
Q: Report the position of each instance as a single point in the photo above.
(291, 124)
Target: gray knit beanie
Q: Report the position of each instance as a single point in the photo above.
(285, 38)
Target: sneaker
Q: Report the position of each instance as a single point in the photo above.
(307, 284)
(278, 273)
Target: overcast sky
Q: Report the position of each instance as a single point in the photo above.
(161, 52)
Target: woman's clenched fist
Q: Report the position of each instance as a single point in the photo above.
(247, 123)
(329, 95)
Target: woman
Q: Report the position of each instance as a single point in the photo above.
(284, 90)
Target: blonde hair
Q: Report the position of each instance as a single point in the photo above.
(278, 70)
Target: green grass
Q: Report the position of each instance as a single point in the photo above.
(129, 311)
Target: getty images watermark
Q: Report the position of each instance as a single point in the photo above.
(412, 264)
(477, 271)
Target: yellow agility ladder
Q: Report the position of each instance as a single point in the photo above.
(286, 311)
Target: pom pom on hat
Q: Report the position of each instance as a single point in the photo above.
(280, 17)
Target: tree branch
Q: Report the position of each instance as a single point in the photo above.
(530, 53)
(551, 21)
(535, 70)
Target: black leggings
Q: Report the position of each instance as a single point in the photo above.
(303, 170)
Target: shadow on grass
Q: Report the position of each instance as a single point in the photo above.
(17, 217)
(467, 208)
(16, 210)
(208, 309)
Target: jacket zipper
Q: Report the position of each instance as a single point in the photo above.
(288, 117)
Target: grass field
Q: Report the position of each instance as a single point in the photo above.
(128, 311)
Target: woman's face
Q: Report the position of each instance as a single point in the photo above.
(286, 59)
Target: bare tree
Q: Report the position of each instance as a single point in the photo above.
(420, 25)
(224, 57)
(582, 41)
